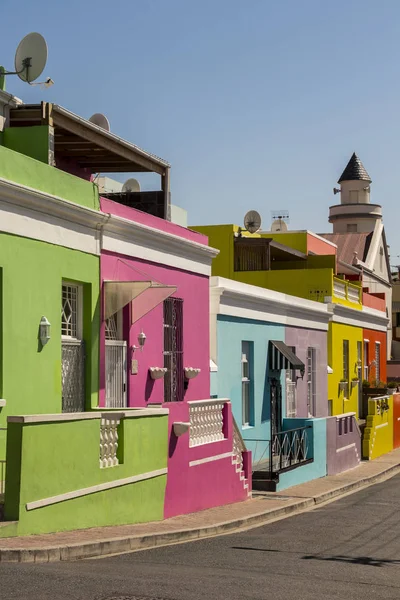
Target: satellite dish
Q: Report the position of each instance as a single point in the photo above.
(279, 225)
(100, 120)
(131, 185)
(252, 221)
(31, 57)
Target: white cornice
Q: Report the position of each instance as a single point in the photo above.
(34, 214)
(236, 299)
(367, 318)
(141, 241)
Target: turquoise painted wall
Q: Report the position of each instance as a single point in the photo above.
(317, 451)
(27, 171)
(31, 141)
(231, 332)
(31, 275)
(48, 459)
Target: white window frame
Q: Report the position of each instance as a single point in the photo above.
(246, 383)
(377, 362)
(79, 311)
(366, 358)
(312, 380)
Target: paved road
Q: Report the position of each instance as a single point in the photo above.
(346, 550)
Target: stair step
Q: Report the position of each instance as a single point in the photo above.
(264, 485)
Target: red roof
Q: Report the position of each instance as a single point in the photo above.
(348, 244)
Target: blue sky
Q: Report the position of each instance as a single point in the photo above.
(257, 104)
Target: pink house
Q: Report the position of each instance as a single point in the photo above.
(154, 350)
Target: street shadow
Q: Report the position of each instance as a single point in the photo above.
(356, 560)
(255, 549)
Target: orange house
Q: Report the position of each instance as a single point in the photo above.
(374, 356)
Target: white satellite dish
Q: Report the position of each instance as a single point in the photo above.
(131, 185)
(100, 120)
(31, 57)
(252, 221)
(279, 225)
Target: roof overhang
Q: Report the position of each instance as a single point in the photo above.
(278, 252)
(87, 144)
(144, 295)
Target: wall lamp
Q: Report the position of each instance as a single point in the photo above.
(44, 330)
(141, 341)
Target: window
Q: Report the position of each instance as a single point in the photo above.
(291, 409)
(251, 255)
(346, 360)
(71, 311)
(366, 359)
(247, 368)
(377, 362)
(312, 380)
(397, 316)
(173, 350)
(352, 227)
(381, 259)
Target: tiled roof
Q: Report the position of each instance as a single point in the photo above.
(349, 243)
(354, 170)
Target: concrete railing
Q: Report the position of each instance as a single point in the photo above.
(346, 291)
(206, 421)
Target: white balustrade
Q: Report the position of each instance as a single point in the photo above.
(238, 445)
(108, 442)
(353, 293)
(206, 422)
(339, 289)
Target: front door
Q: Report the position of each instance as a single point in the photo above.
(116, 368)
(276, 406)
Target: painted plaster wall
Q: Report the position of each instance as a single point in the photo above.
(108, 206)
(31, 278)
(378, 433)
(380, 338)
(301, 340)
(343, 444)
(32, 173)
(30, 141)
(317, 451)
(231, 332)
(396, 420)
(347, 400)
(197, 487)
(47, 459)
(194, 290)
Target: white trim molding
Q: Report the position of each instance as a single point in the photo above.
(124, 414)
(367, 318)
(236, 299)
(141, 241)
(202, 461)
(101, 487)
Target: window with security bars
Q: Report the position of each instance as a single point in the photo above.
(312, 380)
(291, 405)
(366, 358)
(69, 311)
(346, 368)
(173, 349)
(377, 362)
(246, 383)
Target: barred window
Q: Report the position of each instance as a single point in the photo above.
(69, 311)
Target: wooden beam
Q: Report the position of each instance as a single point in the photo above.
(113, 146)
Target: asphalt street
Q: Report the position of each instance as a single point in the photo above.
(349, 549)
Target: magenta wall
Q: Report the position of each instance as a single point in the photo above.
(194, 290)
(302, 339)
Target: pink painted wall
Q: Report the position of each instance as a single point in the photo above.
(108, 206)
(194, 290)
(193, 488)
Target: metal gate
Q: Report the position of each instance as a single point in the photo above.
(115, 374)
(173, 350)
(73, 376)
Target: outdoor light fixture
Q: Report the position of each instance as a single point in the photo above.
(44, 331)
(141, 341)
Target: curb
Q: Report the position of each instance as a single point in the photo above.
(133, 543)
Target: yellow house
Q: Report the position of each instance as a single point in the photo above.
(303, 264)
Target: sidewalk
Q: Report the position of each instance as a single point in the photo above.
(261, 509)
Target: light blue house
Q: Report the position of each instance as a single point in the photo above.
(275, 395)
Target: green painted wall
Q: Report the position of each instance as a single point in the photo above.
(33, 173)
(48, 459)
(31, 275)
(31, 141)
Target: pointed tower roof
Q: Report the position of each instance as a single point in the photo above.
(354, 170)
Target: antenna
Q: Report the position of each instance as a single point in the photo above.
(30, 60)
(336, 191)
(280, 218)
(282, 215)
(131, 185)
(100, 120)
(252, 221)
